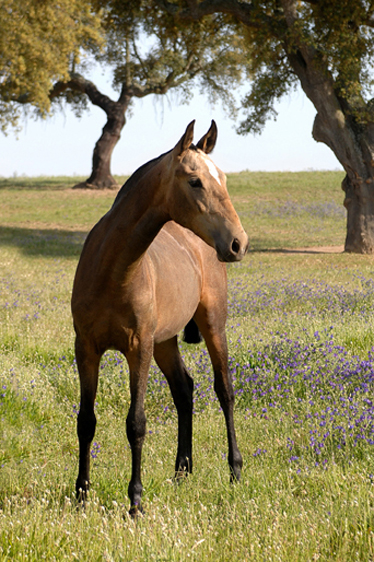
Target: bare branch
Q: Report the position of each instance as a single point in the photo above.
(80, 84)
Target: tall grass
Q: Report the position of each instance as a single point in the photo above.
(300, 330)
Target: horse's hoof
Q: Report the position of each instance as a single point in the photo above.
(180, 476)
(81, 495)
(80, 503)
(235, 475)
(136, 511)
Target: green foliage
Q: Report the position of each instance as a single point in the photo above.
(47, 44)
(148, 54)
(270, 74)
(334, 40)
(38, 42)
(339, 34)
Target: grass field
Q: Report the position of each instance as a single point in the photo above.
(302, 357)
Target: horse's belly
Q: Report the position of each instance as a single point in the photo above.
(173, 312)
(177, 283)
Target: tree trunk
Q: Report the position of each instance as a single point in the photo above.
(101, 176)
(354, 147)
(352, 143)
(359, 202)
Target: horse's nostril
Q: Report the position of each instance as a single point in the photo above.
(235, 246)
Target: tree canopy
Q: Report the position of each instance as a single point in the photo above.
(146, 53)
(338, 36)
(40, 40)
(48, 48)
(152, 46)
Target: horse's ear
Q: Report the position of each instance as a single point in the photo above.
(208, 141)
(185, 142)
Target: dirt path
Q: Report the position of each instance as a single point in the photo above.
(315, 250)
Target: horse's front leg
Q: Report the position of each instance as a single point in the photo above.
(215, 339)
(217, 347)
(139, 360)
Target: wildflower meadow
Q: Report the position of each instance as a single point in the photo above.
(301, 355)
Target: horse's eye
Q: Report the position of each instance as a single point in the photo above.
(195, 182)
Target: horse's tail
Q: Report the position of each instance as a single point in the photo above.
(192, 333)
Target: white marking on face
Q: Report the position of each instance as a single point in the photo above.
(212, 169)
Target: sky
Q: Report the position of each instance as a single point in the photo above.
(63, 144)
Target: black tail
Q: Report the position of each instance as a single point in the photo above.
(192, 333)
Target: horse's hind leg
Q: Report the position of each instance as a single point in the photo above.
(170, 362)
(88, 367)
(213, 331)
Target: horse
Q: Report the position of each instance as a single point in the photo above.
(153, 265)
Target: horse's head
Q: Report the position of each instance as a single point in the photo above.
(198, 197)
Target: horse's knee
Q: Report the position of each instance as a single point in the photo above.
(225, 392)
(189, 383)
(185, 395)
(86, 426)
(136, 427)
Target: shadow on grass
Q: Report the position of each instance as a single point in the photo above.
(46, 183)
(269, 245)
(39, 183)
(302, 251)
(46, 242)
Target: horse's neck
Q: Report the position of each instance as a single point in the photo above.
(135, 220)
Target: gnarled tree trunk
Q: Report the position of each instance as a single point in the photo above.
(359, 202)
(352, 143)
(101, 176)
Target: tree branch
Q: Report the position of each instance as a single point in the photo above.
(80, 84)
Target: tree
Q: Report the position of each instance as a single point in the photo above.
(148, 55)
(328, 48)
(39, 40)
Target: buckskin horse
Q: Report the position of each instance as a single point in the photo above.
(150, 267)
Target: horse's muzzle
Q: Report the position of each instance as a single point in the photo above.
(235, 251)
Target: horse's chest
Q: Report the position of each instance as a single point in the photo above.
(163, 293)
